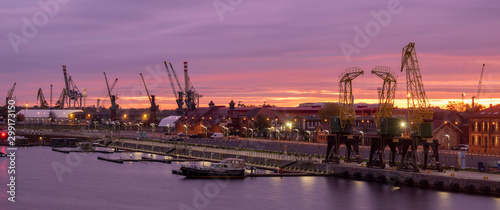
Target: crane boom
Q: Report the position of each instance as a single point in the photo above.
(170, 78)
(175, 76)
(387, 93)
(149, 96)
(41, 98)
(480, 83)
(112, 98)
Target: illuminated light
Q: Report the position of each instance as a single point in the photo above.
(124, 115)
(403, 124)
(4, 134)
(267, 118)
(145, 116)
(88, 115)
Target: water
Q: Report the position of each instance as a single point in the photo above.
(95, 184)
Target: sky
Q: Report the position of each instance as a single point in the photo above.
(282, 52)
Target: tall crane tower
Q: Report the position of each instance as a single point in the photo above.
(152, 101)
(388, 127)
(192, 99)
(112, 98)
(478, 88)
(41, 98)
(420, 114)
(74, 96)
(343, 126)
(178, 95)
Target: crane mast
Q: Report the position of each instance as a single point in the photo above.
(346, 99)
(74, 96)
(151, 98)
(387, 93)
(62, 100)
(419, 109)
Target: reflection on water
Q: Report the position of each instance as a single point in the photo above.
(95, 184)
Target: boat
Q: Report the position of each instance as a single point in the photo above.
(227, 168)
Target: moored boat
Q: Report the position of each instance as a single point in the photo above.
(227, 168)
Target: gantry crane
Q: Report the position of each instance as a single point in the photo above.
(343, 125)
(41, 98)
(74, 96)
(112, 98)
(152, 101)
(420, 115)
(388, 127)
(476, 97)
(62, 100)
(178, 95)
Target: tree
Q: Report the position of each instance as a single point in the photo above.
(329, 110)
(261, 122)
(457, 106)
(463, 107)
(52, 116)
(20, 117)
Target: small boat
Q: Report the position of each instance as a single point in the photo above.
(227, 168)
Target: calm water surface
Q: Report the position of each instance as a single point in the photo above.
(87, 183)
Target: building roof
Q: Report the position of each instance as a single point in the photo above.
(493, 111)
(168, 121)
(44, 113)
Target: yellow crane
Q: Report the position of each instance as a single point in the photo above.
(343, 126)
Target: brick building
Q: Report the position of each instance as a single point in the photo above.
(484, 131)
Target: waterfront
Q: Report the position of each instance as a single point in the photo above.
(94, 184)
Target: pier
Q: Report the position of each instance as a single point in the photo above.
(457, 181)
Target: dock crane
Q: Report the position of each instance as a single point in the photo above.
(478, 88)
(41, 98)
(178, 95)
(192, 99)
(10, 93)
(74, 96)
(343, 125)
(62, 100)
(388, 127)
(112, 98)
(107, 94)
(420, 115)
(151, 98)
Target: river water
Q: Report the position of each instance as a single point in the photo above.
(53, 180)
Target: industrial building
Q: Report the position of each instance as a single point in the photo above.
(484, 131)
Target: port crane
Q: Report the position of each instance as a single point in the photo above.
(343, 125)
(420, 116)
(73, 95)
(178, 95)
(107, 94)
(478, 88)
(41, 98)
(387, 126)
(112, 98)
(152, 101)
(10, 94)
(192, 99)
(62, 98)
